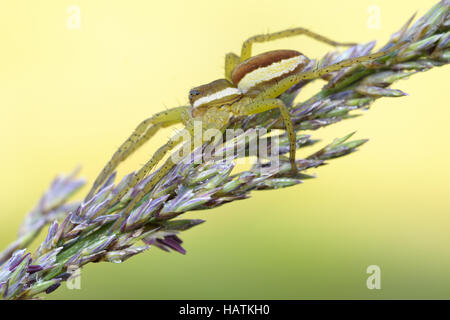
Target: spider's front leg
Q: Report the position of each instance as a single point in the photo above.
(142, 173)
(204, 113)
(213, 118)
(143, 132)
(232, 60)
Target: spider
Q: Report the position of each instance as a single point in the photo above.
(252, 85)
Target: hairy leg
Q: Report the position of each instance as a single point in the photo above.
(267, 104)
(231, 61)
(143, 132)
(161, 172)
(246, 51)
(165, 168)
(142, 173)
(147, 136)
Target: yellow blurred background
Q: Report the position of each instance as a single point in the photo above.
(69, 96)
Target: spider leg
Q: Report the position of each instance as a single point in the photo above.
(284, 84)
(142, 173)
(231, 61)
(143, 132)
(246, 51)
(147, 136)
(161, 172)
(267, 104)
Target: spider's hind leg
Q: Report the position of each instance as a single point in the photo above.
(246, 50)
(232, 60)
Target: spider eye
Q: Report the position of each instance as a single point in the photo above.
(194, 92)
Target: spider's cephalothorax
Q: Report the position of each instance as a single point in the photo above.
(214, 94)
(251, 85)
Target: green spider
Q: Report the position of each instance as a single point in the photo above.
(251, 85)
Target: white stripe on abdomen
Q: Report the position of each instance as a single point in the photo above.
(269, 72)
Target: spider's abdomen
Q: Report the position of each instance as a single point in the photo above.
(267, 67)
